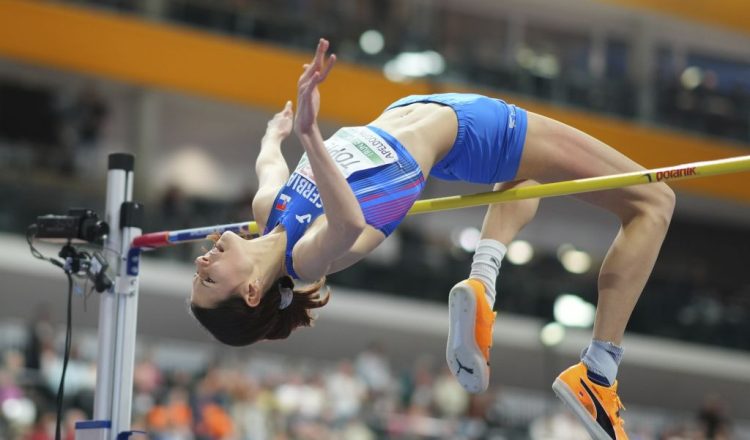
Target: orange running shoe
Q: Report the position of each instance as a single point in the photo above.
(469, 335)
(598, 407)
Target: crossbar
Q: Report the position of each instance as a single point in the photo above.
(568, 187)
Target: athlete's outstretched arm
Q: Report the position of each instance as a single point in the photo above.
(270, 166)
(314, 254)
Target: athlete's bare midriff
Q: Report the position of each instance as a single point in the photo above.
(426, 130)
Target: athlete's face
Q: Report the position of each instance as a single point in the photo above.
(223, 271)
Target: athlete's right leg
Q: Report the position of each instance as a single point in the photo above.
(554, 151)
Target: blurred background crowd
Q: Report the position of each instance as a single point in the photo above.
(179, 395)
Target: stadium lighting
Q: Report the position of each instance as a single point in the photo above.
(409, 65)
(552, 334)
(572, 311)
(573, 260)
(520, 252)
(371, 42)
(544, 65)
(691, 77)
(466, 238)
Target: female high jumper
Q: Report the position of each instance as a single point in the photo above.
(348, 193)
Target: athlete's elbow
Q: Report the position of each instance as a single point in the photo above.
(268, 165)
(350, 229)
(354, 227)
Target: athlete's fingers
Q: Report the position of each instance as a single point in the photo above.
(320, 52)
(309, 69)
(327, 68)
(317, 61)
(320, 76)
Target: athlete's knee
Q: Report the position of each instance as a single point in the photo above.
(663, 201)
(523, 210)
(656, 202)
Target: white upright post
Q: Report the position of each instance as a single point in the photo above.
(126, 288)
(107, 424)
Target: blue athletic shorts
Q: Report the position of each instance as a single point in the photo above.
(490, 138)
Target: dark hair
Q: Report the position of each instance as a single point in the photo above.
(233, 322)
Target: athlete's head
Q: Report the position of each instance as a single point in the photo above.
(241, 296)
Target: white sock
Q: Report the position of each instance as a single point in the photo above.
(602, 359)
(486, 265)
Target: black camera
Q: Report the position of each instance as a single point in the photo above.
(78, 226)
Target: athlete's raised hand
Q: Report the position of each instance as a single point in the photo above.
(281, 124)
(308, 96)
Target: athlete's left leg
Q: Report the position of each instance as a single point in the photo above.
(470, 302)
(503, 221)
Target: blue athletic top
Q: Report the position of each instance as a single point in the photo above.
(384, 177)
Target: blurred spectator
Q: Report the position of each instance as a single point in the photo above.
(212, 422)
(558, 426)
(215, 423)
(251, 411)
(451, 400)
(172, 420)
(373, 368)
(357, 430)
(713, 419)
(147, 382)
(9, 389)
(43, 428)
(419, 389)
(71, 417)
(80, 377)
(345, 393)
(312, 398)
(40, 335)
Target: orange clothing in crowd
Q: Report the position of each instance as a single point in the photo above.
(174, 415)
(215, 422)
